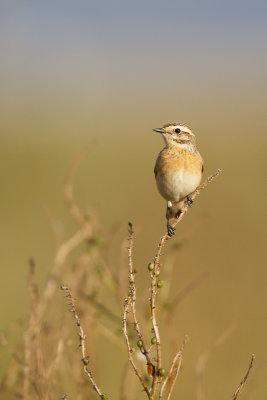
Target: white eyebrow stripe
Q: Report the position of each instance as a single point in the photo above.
(184, 129)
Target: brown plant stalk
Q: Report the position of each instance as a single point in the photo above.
(129, 306)
(85, 358)
(154, 275)
(244, 379)
(132, 291)
(175, 367)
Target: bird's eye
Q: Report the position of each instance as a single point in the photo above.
(177, 130)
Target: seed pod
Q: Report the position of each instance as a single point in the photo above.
(161, 372)
(160, 284)
(150, 267)
(153, 340)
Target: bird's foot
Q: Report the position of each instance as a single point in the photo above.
(170, 229)
(190, 201)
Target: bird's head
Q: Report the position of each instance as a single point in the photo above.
(177, 134)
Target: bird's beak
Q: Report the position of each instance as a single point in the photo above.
(160, 130)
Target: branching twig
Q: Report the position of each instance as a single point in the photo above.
(176, 363)
(132, 295)
(176, 372)
(129, 349)
(154, 279)
(155, 327)
(85, 358)
(244, 379)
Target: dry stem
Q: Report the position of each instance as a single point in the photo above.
(155, 329)
(85, 358)
(132, 294)
(179, 362)
(154, 279)
(127, 304)
(176, 363)
(244, 379)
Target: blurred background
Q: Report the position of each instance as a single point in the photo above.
(75, 71)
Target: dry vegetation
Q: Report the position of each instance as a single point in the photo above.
(51, 358)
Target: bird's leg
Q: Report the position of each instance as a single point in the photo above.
(189, 200)
(170, 229)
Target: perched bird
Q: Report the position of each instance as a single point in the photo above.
(178, 169)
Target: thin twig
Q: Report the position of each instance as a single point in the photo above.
(35, 370)
(244, 379)
(155, 274)
(153, 292)
(176, 372)
(176, 363)
(127, 304)
(85, 358)
(132, 295)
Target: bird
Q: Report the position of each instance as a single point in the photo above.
(178, 169)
